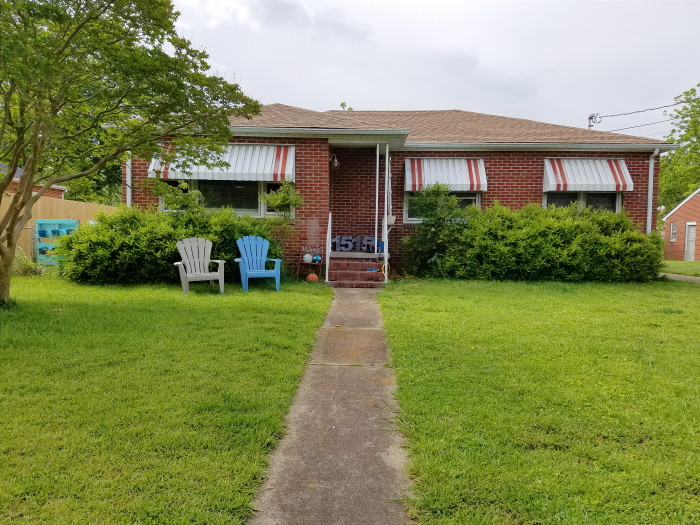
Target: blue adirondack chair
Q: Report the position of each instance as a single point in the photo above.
(253, 259)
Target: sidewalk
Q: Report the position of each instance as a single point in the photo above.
(341, 461)
(678, 277)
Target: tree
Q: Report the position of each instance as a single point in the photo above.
(680, 170)
(85, 83)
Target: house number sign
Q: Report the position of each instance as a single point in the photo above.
(348, 243)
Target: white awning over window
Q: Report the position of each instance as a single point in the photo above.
(457, 174)
(253, 162)
(573, 174)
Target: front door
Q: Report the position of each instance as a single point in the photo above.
(689, 242)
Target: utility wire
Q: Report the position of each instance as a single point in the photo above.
(650, 109)
(642, 125)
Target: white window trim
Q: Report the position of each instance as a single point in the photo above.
(406, 194)
(581, 199)
(673, 232)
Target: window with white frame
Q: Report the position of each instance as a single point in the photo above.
(603, 200)
(241, 196)
(464, 199)
(672, 232)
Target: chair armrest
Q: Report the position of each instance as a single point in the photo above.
(219, 261)
(237, 260)
(179, 263)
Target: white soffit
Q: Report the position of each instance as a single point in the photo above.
(575, 174)
(458, 174)
(247, 162)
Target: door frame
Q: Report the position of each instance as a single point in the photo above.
(686, 252)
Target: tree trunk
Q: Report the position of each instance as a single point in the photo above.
(5, 274)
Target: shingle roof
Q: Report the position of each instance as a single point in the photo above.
(439, 126)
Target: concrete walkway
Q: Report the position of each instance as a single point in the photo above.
(341, 461)
(678, 277)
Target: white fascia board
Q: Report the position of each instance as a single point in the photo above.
(336, 136)
(674, 210)
(533, 146)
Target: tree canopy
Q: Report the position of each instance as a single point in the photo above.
(680, 170)
(83, 83)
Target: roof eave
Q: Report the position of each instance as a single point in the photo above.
(674, 210)
(336, 136)
(535, 146)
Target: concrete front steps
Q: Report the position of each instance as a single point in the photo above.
(355, 273)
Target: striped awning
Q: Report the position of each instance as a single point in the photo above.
(573, 174)
(247, 162)
(457, 174)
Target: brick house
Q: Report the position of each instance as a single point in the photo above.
(55, 191)
(357, 169)
(680, 230)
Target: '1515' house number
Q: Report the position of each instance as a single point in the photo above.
(348, 243)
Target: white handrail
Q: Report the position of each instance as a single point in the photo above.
(328, 245)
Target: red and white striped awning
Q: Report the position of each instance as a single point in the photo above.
(574, 174)
(247, 162)
(457, 174)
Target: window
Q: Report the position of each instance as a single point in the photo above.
(463, 198)
(672, 233)
(610, 201)
(242, 196)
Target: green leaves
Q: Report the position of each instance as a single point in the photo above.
(680, 170)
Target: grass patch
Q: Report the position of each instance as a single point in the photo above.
(682, 267)
(144, 405)
(548, 402)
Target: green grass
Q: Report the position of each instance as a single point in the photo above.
(141, 404)
(535, 403)
(682, 267)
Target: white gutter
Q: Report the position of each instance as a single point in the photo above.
(532, 146)
(376, 202)
(128, 181)
(273, 131)
(650, 193)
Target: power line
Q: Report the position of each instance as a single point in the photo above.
(642, 125)
(649, 109)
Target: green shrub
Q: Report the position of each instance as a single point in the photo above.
(24, 266)
(563, 244)
(134, 246)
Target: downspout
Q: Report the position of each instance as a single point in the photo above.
(650, 197)
(128, 181)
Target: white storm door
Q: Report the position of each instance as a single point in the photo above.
(689, 242)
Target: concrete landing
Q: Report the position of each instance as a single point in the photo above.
(341, 461)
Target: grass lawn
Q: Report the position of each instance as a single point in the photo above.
(141, 404)
(530, 403)
(682, 267)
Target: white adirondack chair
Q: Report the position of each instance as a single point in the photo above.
(196, 253)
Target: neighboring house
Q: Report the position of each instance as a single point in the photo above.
(680, 230)
(357, 169)
(54, 191)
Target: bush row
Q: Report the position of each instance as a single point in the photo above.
(133, 246)
(563, 244)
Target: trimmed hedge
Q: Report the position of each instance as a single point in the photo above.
(133, 246)
(562, 244)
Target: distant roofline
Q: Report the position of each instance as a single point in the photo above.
(681, 204)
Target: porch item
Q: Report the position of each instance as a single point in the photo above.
(196, 260)
(253, 259)
(311, 256)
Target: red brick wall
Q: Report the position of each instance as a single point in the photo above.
(55, 193)
(514, 179)
(311, 171)
(689, 212)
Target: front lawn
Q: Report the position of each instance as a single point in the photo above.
(141, 404)
(682, 267)
(547, 402)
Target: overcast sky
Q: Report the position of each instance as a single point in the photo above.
(549, 61)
